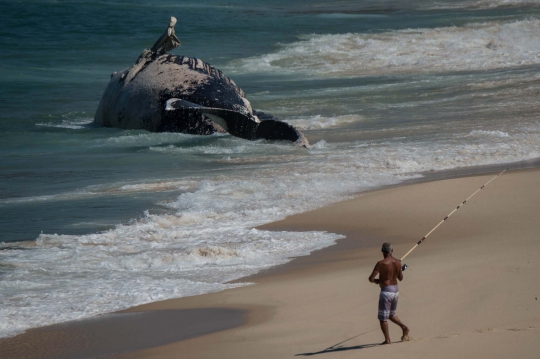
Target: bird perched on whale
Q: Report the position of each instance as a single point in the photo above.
(167, 93)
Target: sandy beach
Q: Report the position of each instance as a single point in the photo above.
(470, 290)
(203, 230)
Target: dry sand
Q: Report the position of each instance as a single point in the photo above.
(470, 290)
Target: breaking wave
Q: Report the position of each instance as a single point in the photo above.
(472, 47)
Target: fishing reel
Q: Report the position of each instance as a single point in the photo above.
(404, 267)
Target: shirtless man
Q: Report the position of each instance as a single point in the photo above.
(389, 270)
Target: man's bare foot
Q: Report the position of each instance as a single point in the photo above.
(386, 342)
(405, 337)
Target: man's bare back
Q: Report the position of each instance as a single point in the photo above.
(389, 270)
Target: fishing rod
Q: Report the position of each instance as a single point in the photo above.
(445, 218)
(333, 347)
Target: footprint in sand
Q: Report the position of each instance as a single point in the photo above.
(446, 336)
(521, 329)
(410, 339)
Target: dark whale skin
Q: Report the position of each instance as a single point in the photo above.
(136, 98)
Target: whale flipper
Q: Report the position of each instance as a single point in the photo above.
(277, 130)
(236, 123)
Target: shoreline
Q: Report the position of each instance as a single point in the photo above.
(307, 311)
(338, 257)
(342, 244)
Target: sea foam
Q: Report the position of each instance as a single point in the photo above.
(208, 238)
(480, 4)
(473, 47)
(319, 122)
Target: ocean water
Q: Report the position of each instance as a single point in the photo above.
(94, 220)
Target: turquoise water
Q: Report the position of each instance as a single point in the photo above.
(383, 90)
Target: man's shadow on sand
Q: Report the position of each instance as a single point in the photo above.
(338, 348)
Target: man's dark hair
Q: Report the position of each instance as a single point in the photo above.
(387, 247)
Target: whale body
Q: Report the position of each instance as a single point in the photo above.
(162, 92)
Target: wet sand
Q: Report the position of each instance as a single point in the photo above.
(115, 333)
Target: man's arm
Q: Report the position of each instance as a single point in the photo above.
(374, 274)
(400, 271)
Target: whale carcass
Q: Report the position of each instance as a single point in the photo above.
(162, 92)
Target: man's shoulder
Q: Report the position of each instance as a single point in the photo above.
(396, 262)
(390, 261)
(385, 263)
